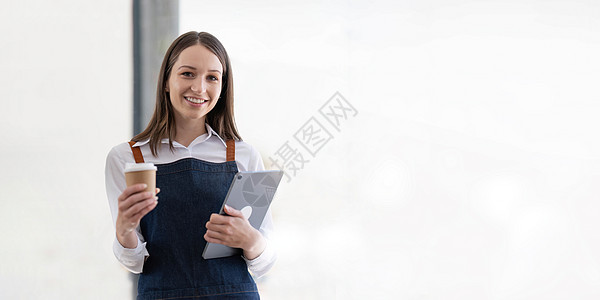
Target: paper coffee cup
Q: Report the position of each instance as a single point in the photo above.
(141, 173)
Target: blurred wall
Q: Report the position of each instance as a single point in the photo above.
(66, 86)
(471, 168)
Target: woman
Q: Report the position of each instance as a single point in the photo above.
(193, 140)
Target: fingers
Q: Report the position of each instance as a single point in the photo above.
(227, 219)
(219, 219)
(141, 208)
(221, 234)
(136, 188)
(217, 228)
(144, 211)
(134, 203)
(233, 212)
(133, 199)
(228, 230)
(212, 239)
(236, 237)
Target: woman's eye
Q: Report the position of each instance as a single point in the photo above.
(213, 78)
(187, 74)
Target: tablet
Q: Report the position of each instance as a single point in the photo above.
(251, 193)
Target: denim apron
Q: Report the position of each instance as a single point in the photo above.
(190, 191)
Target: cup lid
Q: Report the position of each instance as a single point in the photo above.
(133, 167)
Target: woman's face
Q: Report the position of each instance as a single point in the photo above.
(194, 84)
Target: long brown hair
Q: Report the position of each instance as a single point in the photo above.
(220, 118)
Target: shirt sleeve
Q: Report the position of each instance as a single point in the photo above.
(265, 261)
(131, 259)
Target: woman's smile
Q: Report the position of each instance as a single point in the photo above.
(196, 101)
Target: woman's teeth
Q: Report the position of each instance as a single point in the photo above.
(195, 100)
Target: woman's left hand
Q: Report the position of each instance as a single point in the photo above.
(235, 231)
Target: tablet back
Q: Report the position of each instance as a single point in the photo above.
(251, 193)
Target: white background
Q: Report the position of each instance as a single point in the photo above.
(66, 88)
(469, 172)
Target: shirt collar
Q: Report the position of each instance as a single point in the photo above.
(209, 130)
(213, 132)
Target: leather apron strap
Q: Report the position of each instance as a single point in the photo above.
(230, 150)
(137, 153)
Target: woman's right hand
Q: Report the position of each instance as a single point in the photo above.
(134, 203)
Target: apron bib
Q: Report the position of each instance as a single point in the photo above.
(190, 191)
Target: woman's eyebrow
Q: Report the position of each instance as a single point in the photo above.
(186, 66)
(193, 68)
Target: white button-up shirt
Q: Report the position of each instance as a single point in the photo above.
(208, 147)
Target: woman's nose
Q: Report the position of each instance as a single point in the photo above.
(198, 86)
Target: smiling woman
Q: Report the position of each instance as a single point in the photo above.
(193, 140)
(196, 67)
